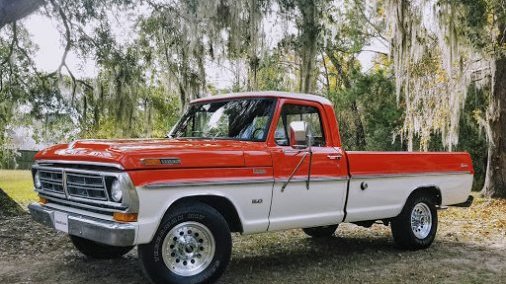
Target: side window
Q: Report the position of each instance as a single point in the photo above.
(308, 114)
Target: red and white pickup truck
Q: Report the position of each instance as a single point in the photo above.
(248, 163)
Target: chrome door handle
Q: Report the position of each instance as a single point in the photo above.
(335, 157)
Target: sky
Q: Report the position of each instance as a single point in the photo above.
(46, 36)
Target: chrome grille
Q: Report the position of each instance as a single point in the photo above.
(83, 188)
(86, 186)
(52, 181)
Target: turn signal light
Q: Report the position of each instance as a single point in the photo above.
(124, 217)
(42, 200)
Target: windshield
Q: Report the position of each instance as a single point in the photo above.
(240, 119)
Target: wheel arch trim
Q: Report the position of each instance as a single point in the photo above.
(432, 189)
(212, 199)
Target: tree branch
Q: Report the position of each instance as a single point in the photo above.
(74, 83)
(67, 36)
(376, 28)
(339, 67)
(374, 51)
(13, 10)
(11, 46)
(90, 87)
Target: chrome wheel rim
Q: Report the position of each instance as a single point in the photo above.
(421, 220)
(188, 248)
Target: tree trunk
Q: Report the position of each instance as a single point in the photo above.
(497, 185)
(326, 73)
(13, 10)
(185, 92)
(360, 131)
(99, 104)
(254, 26)
(202, 71)
(252, 73)
(85, 112)
(310, 30)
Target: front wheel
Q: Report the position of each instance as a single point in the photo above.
(416, 226)
(192, 245)
(97, 250)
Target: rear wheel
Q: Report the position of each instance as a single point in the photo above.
(97, 250)
(416, 226)
(192, 245)
(320, 232)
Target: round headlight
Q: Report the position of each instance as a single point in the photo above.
(36, 180)
(116, 193)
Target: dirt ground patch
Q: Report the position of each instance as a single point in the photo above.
(470, 248)
(8, 207)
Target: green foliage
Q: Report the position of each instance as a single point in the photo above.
(272, 74)
(381, 117)
(15, 83)
(167, 112)
(471, 135)
(474, 19)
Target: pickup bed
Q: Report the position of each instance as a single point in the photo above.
(248, 163)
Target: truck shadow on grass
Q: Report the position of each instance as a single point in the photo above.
(363, 259)
(258, 259)
(278, 258)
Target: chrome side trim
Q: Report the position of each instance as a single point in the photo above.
(102, 231)
(313, 179)
(366, 176)
(207, 183)
(100, 164)
(238, 182)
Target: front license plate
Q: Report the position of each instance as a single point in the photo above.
(61, 222)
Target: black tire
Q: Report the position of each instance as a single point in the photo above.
(405, 236)
(97, 250)
(196, 214)
(321, 232)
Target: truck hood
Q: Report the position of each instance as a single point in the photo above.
(141, 154)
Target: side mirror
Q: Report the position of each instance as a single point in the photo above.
(299, 135)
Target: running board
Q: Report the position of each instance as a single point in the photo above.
(467, 203)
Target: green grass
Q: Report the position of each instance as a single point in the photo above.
(18, 185)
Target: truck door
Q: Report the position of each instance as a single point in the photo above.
(297, 204)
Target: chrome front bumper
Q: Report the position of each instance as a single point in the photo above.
(101, 231)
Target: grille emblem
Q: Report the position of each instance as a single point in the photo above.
(259, 171)
(170, 161)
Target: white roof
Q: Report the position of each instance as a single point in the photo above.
(272, 94)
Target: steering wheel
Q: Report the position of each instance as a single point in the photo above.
(256, 133)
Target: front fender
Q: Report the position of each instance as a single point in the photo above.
(154, 203)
